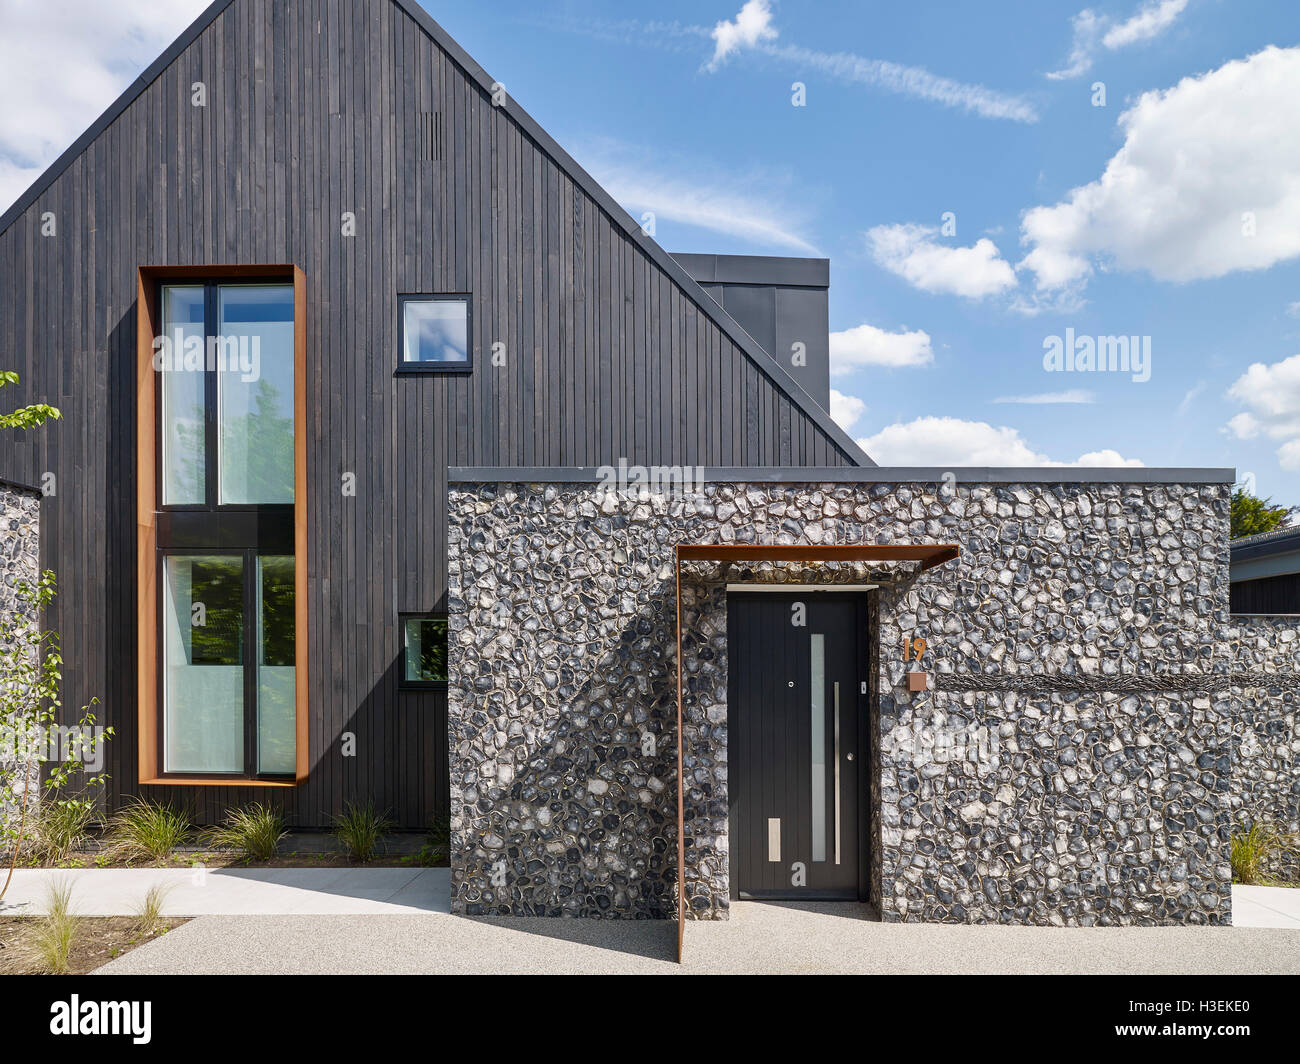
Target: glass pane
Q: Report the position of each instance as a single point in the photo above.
(426, 649)
(254, 362)
(435, 331)
(276, 687)
(817, 696)
(183, 433)
(203, 664)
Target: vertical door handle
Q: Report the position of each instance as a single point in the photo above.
(837, 773)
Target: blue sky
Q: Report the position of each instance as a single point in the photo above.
(1192, 237)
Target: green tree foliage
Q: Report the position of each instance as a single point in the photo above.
(1252, 516)
(31, 677)
(27, 417)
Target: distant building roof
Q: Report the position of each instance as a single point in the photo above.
(1270, 554)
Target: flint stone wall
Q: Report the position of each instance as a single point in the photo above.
(1071, 766)
(20, 511)
(1265, 656)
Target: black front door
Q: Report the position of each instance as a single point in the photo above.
(797, 662)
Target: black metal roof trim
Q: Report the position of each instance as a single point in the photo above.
(871, 475)
(18, 485)
(778, 270)
(769, 366)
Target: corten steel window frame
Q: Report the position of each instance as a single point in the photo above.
(150, 282)
(415, 369)
(928, 554)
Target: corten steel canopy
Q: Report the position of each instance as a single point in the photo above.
(928, 554)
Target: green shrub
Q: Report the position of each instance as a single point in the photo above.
(48, 947)
(254, 831)
(149, 914)
(147, 831)
(360, 829)
(1255, 848)
(436, 847)
(62, 827)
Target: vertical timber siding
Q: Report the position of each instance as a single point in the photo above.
(316, 108)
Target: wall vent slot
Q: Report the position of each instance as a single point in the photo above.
(431, 136)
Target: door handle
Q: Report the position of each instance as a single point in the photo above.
(837, 772)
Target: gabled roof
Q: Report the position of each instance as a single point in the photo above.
(764, 361)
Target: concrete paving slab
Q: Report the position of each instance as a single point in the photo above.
(760, 938)
(237, 891)
(1276, 906)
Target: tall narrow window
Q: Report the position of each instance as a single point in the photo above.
(255, 393)
(276, 674)
(225, 540)
(184, 403)
(817, 712)
(203, 664)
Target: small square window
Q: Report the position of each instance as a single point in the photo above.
(424, 651)
(435, 334)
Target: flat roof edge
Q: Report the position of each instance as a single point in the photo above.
(18, 485)
(863, 475)
(781, 271)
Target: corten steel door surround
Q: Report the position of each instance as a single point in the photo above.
(798, 718)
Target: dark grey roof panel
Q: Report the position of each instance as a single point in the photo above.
(1283, 541)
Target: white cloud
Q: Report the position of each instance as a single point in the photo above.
(1107, 459)
(1193, 393)
(1271, 394)
(62, 64)
(690, 192)
(1076, 395)
(846, 410)
(15, 180)
(1206, 183)
(1293, 310)
(1085, 29)
(752, 30)
(751, 25)
(939, 441)
(1288, 457)
(1090, 31)
(911, 252)
(913, 81)
(866, 345)
(1151, 20)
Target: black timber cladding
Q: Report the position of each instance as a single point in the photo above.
(317, 108)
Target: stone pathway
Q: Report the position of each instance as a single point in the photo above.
(377, 920)
(760, 938)
(237, 891)
(1266, 907)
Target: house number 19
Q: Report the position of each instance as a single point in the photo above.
(913, 649)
